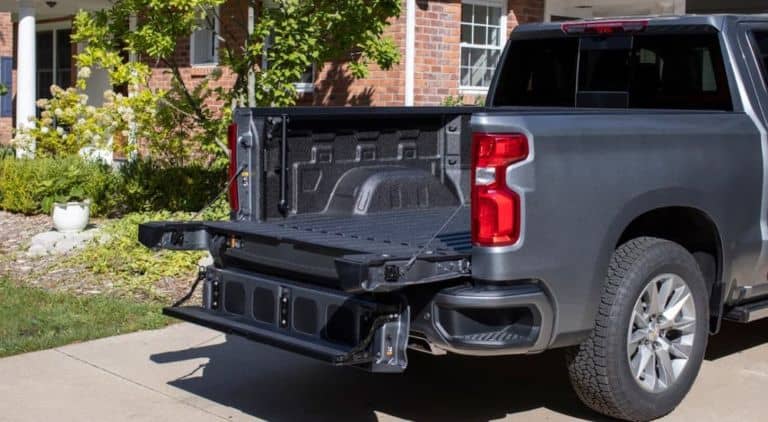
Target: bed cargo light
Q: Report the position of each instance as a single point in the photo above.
(495, 208)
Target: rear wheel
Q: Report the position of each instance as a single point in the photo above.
(650, 333)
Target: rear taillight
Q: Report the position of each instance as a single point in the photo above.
(234, 200)
(605, 27)
(496, 208)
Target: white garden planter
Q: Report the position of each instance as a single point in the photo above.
(71, 217)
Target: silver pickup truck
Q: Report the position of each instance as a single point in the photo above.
(611, 198)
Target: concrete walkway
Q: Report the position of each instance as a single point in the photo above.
(188, 373)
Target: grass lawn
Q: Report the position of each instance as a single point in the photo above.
(33, 319)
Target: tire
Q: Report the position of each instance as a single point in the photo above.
(606, 370)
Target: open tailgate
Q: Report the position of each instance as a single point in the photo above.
(361, 253)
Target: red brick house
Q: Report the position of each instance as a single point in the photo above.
(448, 48)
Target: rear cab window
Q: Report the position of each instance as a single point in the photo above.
(642, 71)
(761, 51)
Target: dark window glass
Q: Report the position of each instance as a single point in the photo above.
(761, 39)
(44, 63)
(539, 73)
(64, 58)
(645, 71)
(54, 60)
(683, 72)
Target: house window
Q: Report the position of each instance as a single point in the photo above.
(483, 34)
(54, 60)
(306, 84)
(204, 43)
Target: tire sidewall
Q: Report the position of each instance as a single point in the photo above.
(663, 258)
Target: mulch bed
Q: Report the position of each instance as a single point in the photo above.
(16, 230)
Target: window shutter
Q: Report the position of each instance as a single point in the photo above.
(6, 78)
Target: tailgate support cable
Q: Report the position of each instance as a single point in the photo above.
(183, 300)
(409, 265)
(201, 270)
(220, 194)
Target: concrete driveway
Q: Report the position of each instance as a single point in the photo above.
(188, 373)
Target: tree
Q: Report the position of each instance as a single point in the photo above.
(297, 33)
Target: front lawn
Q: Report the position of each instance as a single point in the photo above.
(33, 319)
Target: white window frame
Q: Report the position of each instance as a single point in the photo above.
(216, 32)
(503, 4)
(306, 87)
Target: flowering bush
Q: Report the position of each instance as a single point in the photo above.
(67, 124)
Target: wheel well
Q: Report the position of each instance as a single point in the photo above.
(695, 231)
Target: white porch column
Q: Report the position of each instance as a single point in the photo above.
(410, 51)
(26, 74)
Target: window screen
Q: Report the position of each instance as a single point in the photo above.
(645, 71)
(204, 43)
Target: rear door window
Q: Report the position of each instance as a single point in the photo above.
(647, 71)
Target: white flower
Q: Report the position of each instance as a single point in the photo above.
(44, 130)
(58, 112)
(60, 130)
(81, 121)
(84, 72)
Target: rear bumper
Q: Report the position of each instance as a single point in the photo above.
(368, 332)
(484, 320)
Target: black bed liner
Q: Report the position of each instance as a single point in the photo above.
(396, 233)
(374, 252)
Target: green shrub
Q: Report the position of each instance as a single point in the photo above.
(150, 186)
(31, 186)
(130, 265)
(7, 152)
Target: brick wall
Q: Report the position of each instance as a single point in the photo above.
(233, 15)
(437, 58)
(525, 11)
(6, 49)
(334, 85)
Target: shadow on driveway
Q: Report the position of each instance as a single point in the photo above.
(275, 385)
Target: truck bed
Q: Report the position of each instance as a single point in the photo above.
(399, 234)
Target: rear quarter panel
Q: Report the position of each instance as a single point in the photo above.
(591, 173)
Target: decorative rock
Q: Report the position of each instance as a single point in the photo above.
(67, 244)
(47, 240)
(57, 243)
(37, 250)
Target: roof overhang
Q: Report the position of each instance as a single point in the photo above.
(53, 9)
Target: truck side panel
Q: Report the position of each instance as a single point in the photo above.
(594, 172)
